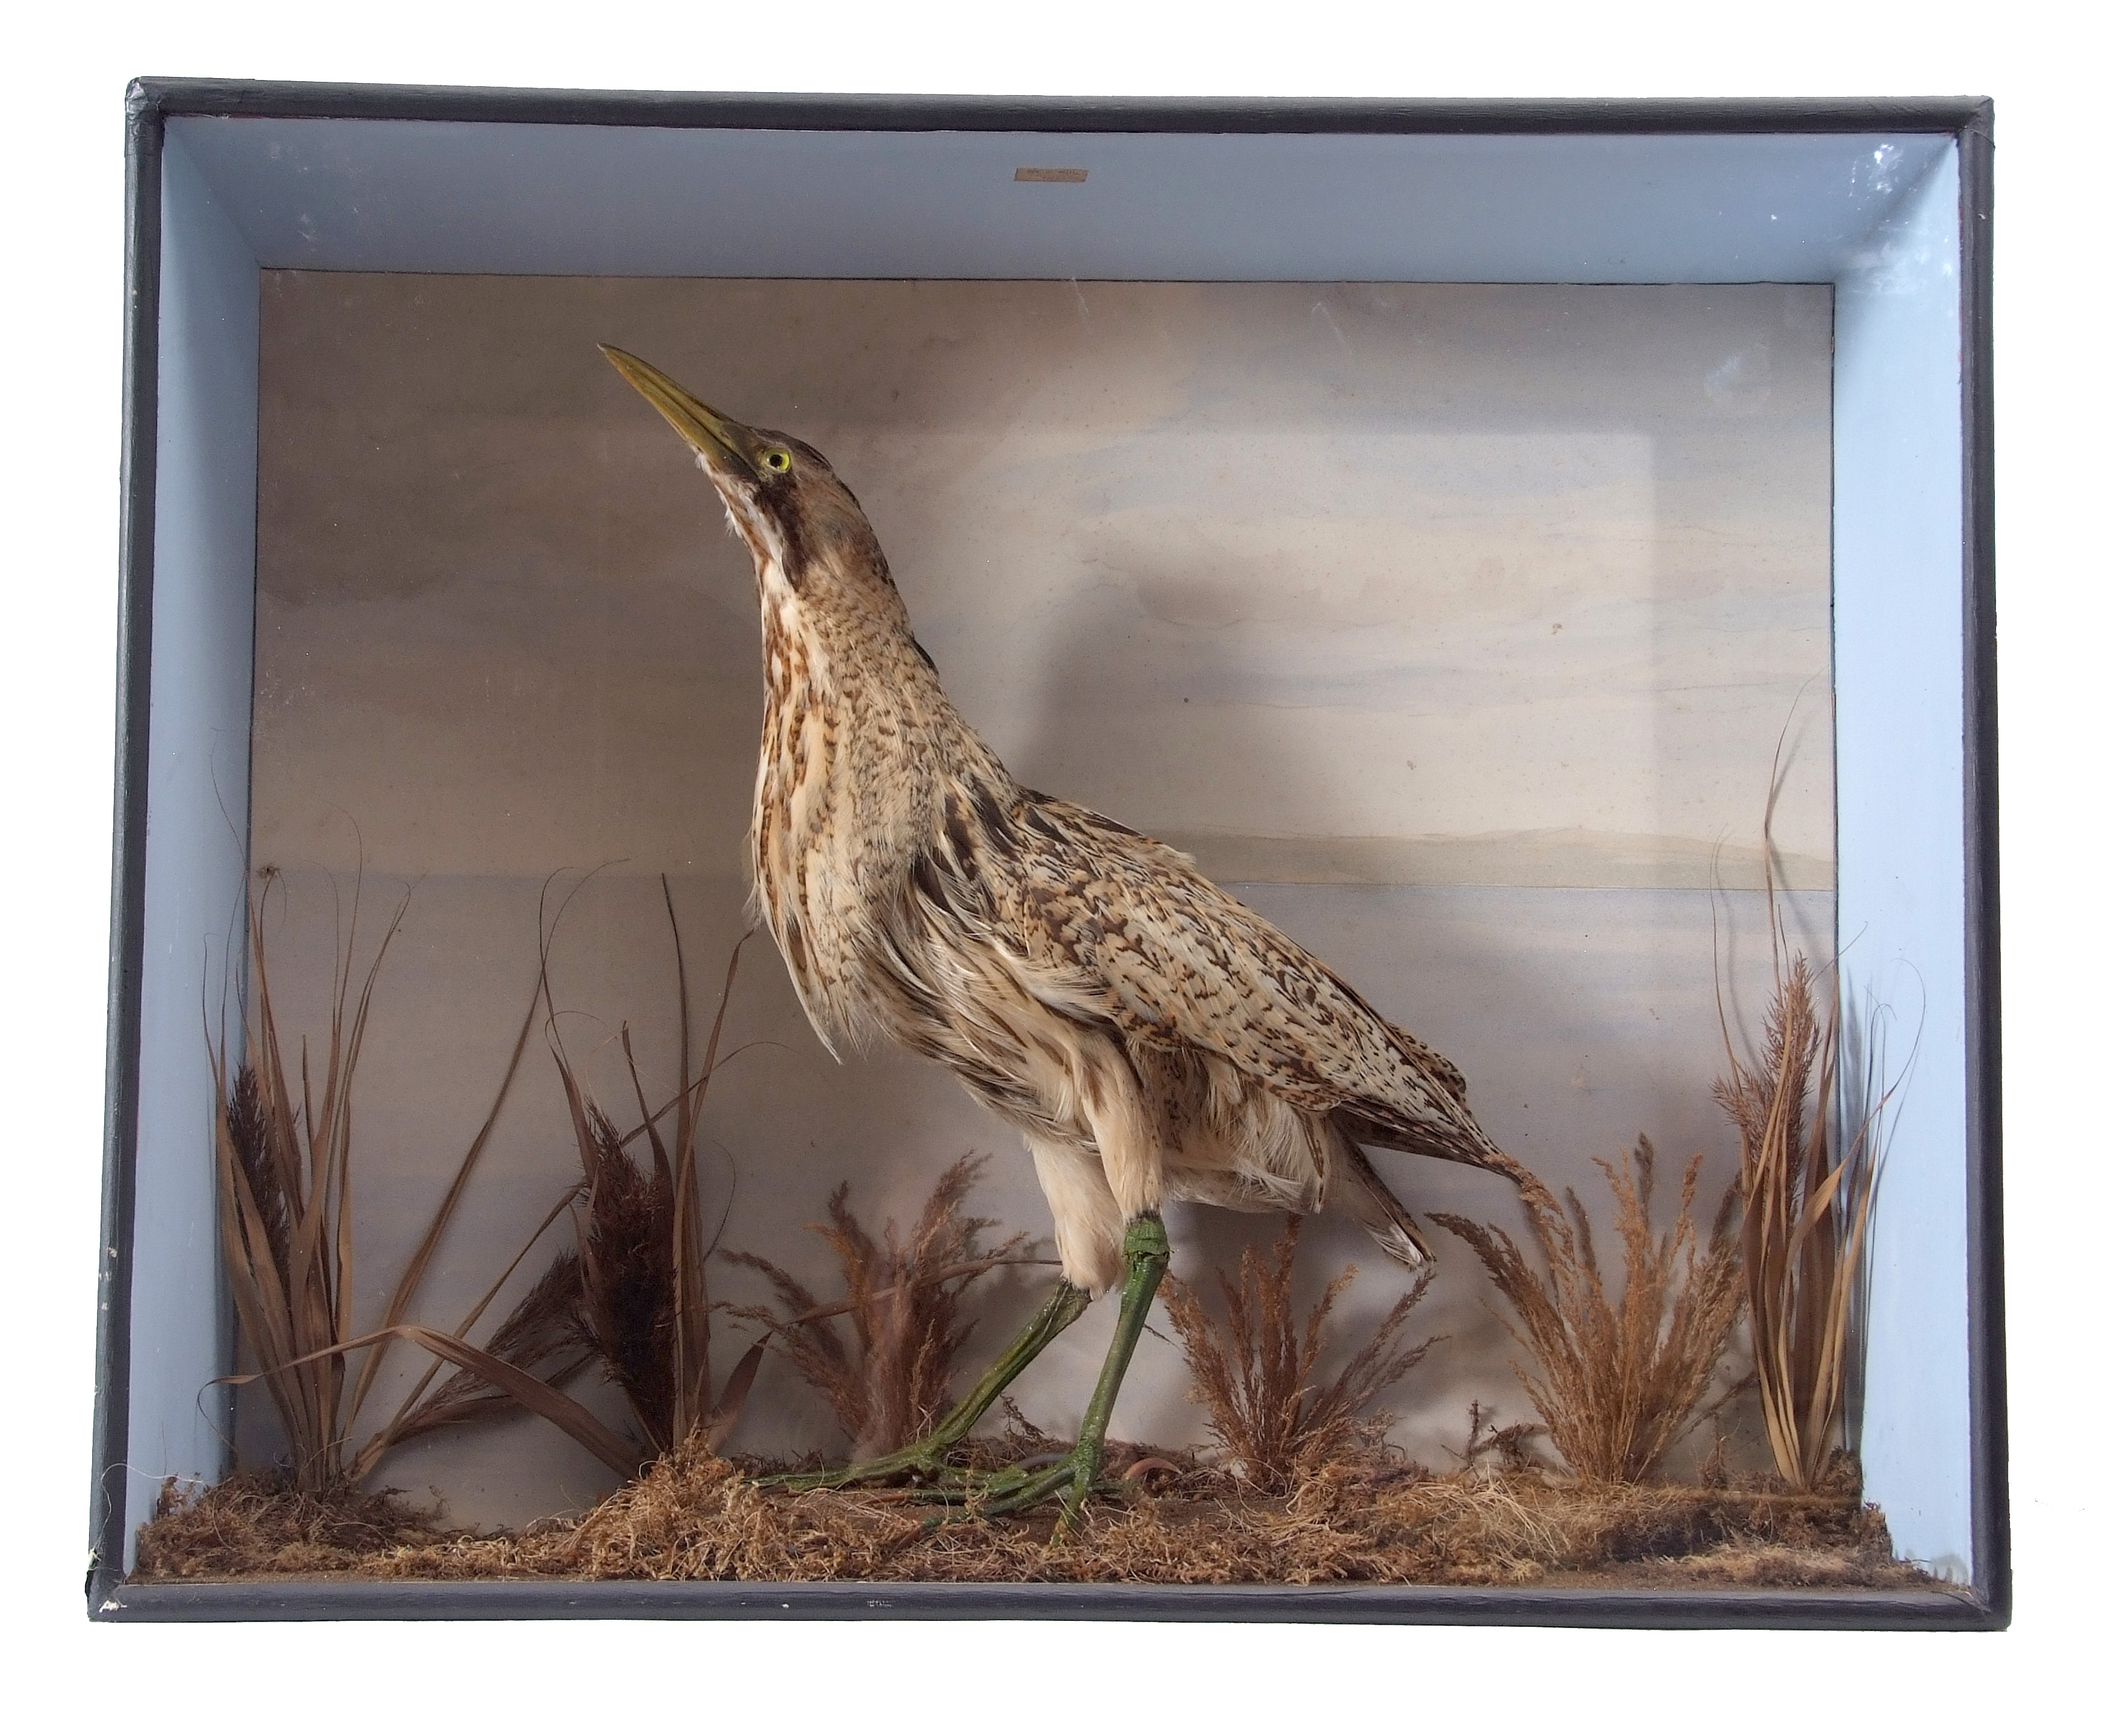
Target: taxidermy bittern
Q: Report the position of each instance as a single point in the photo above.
(1151, 1038)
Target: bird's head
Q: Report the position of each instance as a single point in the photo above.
(800, 521)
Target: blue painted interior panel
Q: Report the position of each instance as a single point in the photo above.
(197, 826)
(471, 196)
(1900, 771)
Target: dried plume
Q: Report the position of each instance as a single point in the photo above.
(1254, 1372)
(626, 1274)
(643, 1306)
(1806, 1213)
(887, 1382)
(1808, 1198)
(1620, 1380)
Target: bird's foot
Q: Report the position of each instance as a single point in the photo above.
(956, 1492)
(1077, 1474)
(1071, 1478)
(929, 1459)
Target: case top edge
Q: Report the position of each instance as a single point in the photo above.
(794, 111)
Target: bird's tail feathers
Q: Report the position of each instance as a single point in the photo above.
(1465, 1143)
(1359, 1190)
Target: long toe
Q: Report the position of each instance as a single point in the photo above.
(924, 1459)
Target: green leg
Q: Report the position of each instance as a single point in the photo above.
(1144, 1263)
(928, 1456)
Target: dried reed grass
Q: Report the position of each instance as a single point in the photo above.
(888, 1384)
(633, 1297)
(1806, 1213)
(284, 1158)
(1254, 1374)
(1620, 1381)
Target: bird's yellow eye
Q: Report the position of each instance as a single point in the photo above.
(778, 458)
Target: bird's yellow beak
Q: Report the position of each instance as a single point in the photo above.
(716, 436)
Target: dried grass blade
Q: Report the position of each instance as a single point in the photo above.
(336, 1117)
(395, 1431)
(525, 1390)
(415, 1270)
(441, 1412)
(663, 1168)
(693, 1366)
(726, 1416)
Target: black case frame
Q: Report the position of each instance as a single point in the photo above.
(1983, 1605)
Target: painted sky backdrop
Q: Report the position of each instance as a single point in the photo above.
(1358, 584)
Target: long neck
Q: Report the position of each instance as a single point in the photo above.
(860, 744)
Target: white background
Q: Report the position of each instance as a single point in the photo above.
(63, 329)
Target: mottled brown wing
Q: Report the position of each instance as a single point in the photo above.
(1129, 926)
